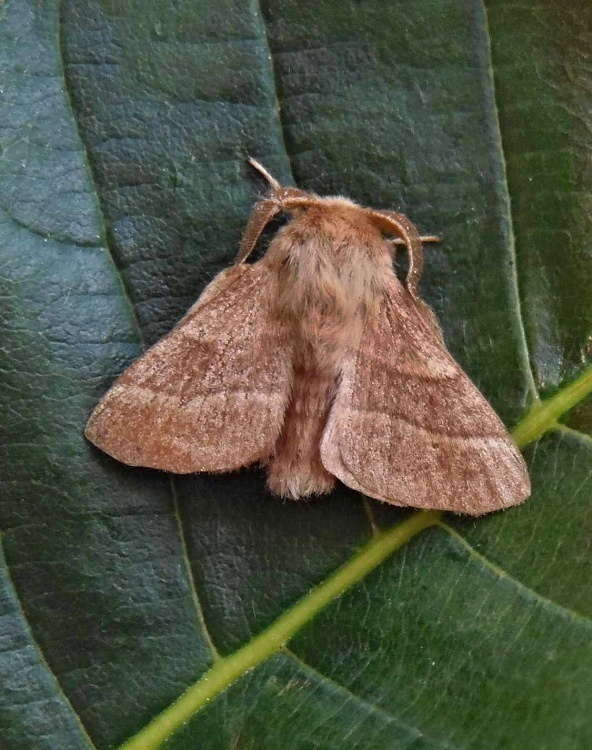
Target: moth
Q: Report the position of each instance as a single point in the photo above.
(318, 363)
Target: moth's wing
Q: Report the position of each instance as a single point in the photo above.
(211, 395)
(408, 426)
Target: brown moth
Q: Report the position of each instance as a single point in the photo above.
(319, 363)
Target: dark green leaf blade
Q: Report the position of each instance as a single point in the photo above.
(32, 705)
(287, 699)
(541, 57)
(546, 544)
(393, 105)
(460, 650)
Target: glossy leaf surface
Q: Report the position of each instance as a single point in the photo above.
(123, 190)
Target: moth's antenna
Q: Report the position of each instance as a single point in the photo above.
(261, 169)
(423, 238)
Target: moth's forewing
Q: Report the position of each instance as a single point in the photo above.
(211, 395)
(408, 426)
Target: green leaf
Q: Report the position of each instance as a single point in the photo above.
(123, 190)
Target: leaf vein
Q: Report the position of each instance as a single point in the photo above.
(33, 642)
(193, 588)
(321, 676)
(516, 304)
(258, 10)
(525, 590)
(576, 434)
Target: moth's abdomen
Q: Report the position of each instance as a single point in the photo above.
(295, 470)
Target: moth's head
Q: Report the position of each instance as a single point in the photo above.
(330, 211)
(296, 202)
(335, 213)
